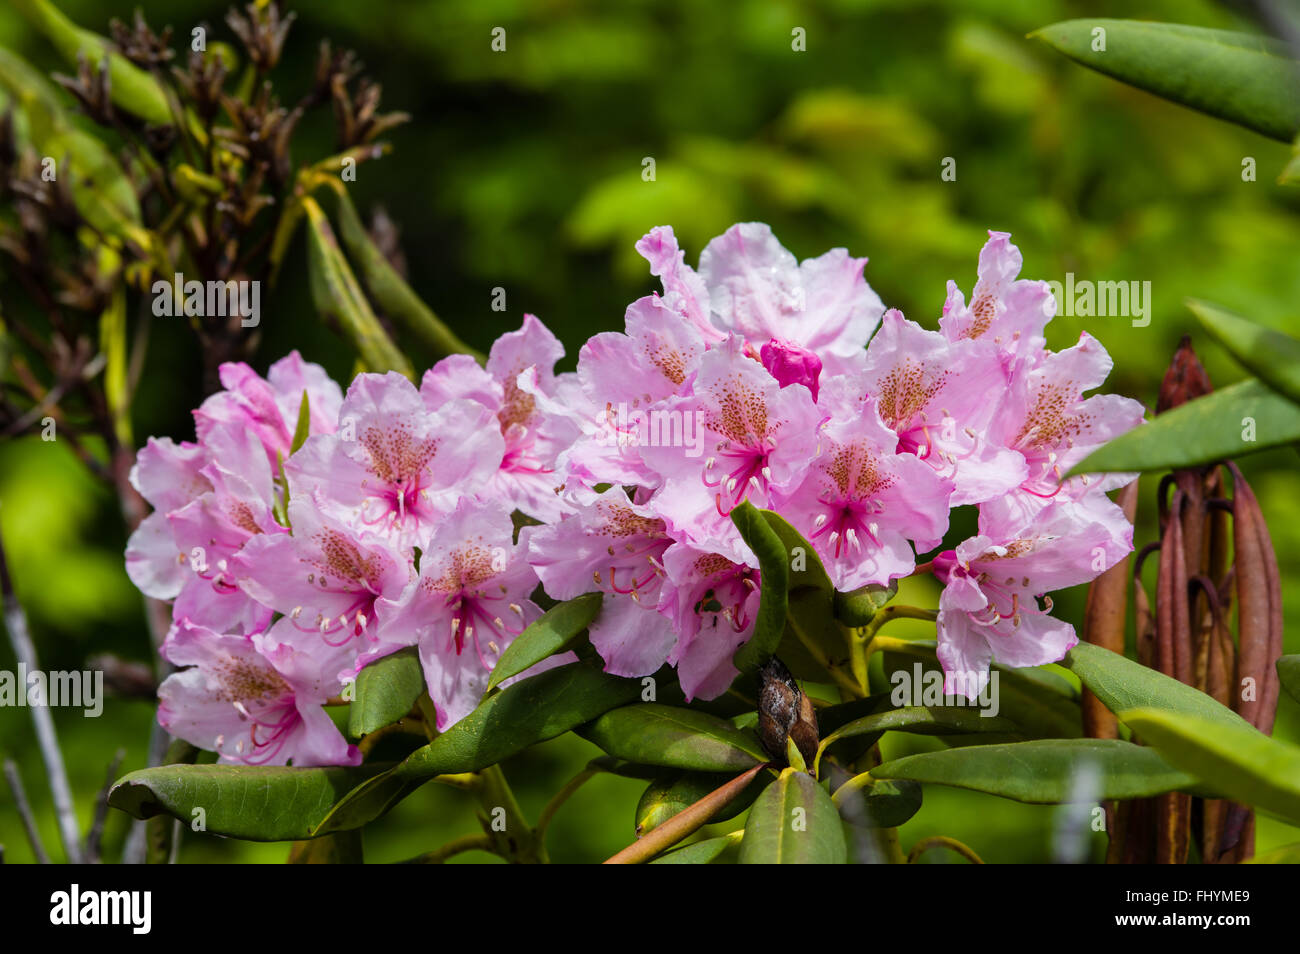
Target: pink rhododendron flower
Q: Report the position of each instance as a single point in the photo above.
(990, 607)
(713, 604)
(533, 439)
(860, 502)
(616, 547)
(394, 466)
(756, 378)
(470, 600)
(253, 701)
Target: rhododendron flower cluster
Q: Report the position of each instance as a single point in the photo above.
(292, 564)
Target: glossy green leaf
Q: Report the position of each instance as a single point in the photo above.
(650, 733)
(858, 607)
(1041, 704)
(664, 797)
(131, 88)
(774, 565)
(1288, 670)
(525, 713)
(1122, 684)
(1210, 428)
(1238, 761)
(390, 290)
(1240, 77)
(1045, 771)
(386, 690)
(700, 853)
(257, 803)
(923, 720)
(337, 295)
(1271, 356)
(793, 822)
(886, 803)
(552, 632)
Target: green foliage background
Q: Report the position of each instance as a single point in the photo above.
(523, 170)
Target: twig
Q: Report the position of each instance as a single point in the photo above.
(553, 806)
(21, 640)
(456, 846)
(686, 822)
(25, 811)
(96, 834)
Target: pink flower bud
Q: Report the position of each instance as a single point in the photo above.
(790, 364)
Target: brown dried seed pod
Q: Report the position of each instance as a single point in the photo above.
(1259, 607)
(1103, 623)
(784, 712)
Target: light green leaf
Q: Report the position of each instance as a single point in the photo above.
(1271, 356)
(1288, 670)
(700, 853)
(257, 803)
(654, 734)
(1122, 684)
(552, 632)
(1237, 761)
(390, 291)
(1045, 771)
(1208, 429)
(302, 429)
(1240, 77)
(336, 294)
(386, 690)
(793, 822)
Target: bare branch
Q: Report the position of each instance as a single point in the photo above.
(21, 640)
(25, 811)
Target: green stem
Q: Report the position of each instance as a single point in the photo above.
(553, 806)
(516, 841)
(943, 841)
(456, 846)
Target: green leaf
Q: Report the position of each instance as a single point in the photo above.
(1288, 670)
(343, 848)
(667, 795)
(1209, 429)
(552, 632)
(700, 853)
(130, 88)
(1286, 855)
(1122, 684)
(793, 822)
(858, 607)
(924, 720)
(386, 690)
(257, 803)
(1042, 704)
(774, 565)
(1239, 77)
(1045, 771)
(1271, 356)
(336, 295)
(1238, 761)
(390, 291)
(525, 713)
(884, 804)
(654, 734)
(303, 428)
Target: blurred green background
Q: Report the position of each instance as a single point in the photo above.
(522, 170)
